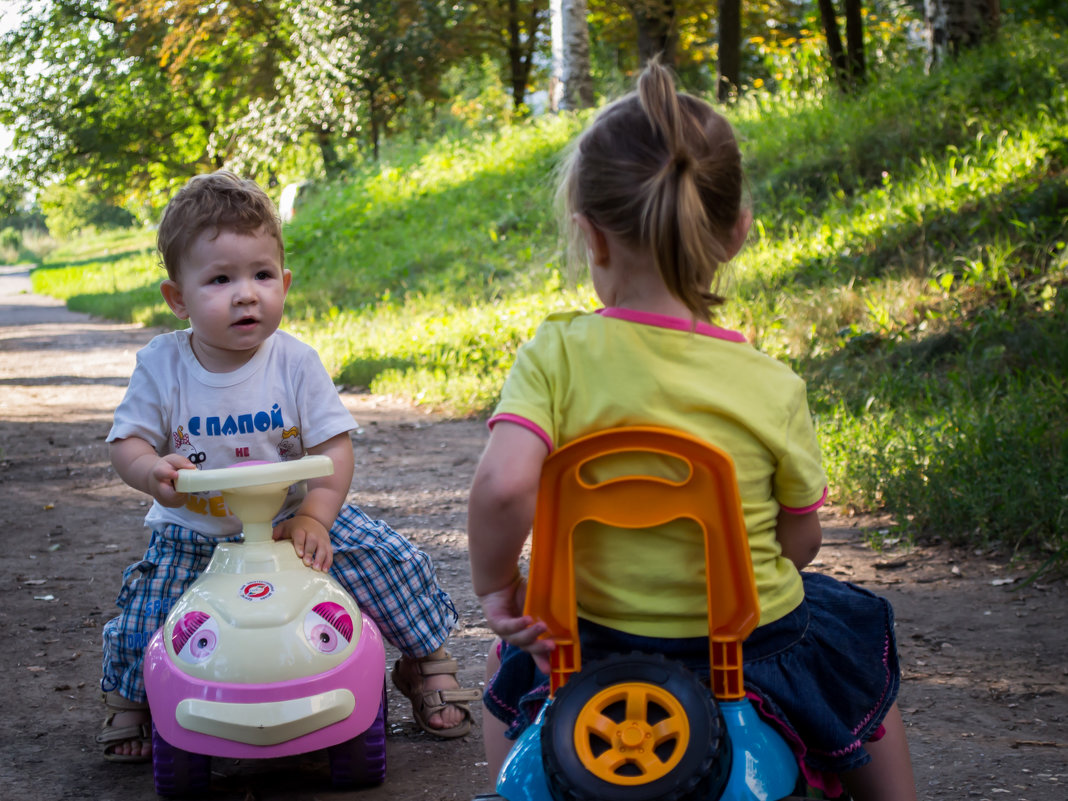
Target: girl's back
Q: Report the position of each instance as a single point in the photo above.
(587, 372)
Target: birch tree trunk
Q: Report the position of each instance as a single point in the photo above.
(953, 25)
(571, 86)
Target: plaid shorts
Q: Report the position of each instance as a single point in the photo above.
(392, 581)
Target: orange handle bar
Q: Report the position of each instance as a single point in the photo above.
(708, 496)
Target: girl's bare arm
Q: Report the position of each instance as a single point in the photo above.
(800, 536)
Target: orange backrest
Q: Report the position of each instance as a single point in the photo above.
(707, 496)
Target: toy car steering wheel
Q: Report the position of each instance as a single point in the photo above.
(255, 491)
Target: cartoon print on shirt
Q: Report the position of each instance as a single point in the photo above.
(291, 445)
(181, 440)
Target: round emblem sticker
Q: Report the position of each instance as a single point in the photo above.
(257, 591)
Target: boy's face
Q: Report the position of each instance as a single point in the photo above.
(232, 288)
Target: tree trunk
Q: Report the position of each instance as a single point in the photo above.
(657, 32)
(730, 44)
(373, 116)
(331, 162)
(520, 50)
(834, 44)
(854, 16)
(571, 86)
(953, 25)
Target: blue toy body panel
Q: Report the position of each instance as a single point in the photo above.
(763, 768)
(522, 776)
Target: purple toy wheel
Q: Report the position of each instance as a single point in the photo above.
(178, 772)
(361, 761)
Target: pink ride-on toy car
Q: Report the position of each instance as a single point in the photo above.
(263, 656)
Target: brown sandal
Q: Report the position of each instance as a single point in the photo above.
(408, 678)
(112, 735)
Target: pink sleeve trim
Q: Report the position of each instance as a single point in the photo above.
(525, 423)
(804, 511)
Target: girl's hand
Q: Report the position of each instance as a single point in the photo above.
(310, 538)
(504, 616)
(161, 476)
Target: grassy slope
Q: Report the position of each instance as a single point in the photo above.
(909, 260)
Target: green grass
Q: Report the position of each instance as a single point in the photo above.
(909, 260)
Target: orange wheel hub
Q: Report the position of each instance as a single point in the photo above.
(631, 733)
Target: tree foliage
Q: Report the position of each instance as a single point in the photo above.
(354, 66)
(125, 96)
(523, 24)
(11, 199)
(847, 64)
(657, 29)
(72, 207)
(510, 32)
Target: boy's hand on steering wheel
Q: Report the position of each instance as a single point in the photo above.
(310, 539)
(161, 480)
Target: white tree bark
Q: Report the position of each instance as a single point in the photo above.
(571, 86)
(952, 25)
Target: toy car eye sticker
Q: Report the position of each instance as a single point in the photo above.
(328, 627)
(195, 636)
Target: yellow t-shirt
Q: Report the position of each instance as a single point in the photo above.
(584, 372)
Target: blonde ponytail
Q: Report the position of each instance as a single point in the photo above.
(662, 170)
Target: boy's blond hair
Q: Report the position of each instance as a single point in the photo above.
(219, 201)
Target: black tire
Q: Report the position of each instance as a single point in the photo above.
(361, 761)
(178, 772)
(597, 740)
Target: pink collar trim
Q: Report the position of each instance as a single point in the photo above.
(674, 323)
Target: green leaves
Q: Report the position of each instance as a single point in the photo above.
(85, 94)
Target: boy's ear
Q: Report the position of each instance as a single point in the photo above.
(172, 293)
(287, 279)
(596, 242)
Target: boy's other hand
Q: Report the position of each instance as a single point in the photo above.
(311, 540)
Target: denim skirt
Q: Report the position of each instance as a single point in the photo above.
(825, 675)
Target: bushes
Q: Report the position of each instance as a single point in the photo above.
(10, 239)
(10, 244)
(69, 209)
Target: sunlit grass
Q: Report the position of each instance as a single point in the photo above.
(448, 357)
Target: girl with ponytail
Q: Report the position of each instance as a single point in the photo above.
(652, 199)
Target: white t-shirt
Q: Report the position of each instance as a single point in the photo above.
(271, 409)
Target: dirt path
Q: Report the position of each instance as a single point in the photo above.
(986, 663)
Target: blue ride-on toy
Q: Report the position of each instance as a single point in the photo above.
(639, 727)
